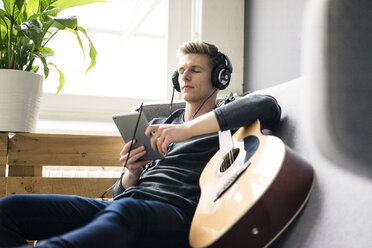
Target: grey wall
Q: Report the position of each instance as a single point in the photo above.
(272, 42)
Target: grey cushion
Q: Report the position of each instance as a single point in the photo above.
(338, 68)
(338, 212)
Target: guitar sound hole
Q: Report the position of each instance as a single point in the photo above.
(229, 159)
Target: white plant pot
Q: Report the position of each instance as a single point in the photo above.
(20, 93)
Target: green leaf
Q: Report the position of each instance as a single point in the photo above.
(11, 6)
(44, 4)
(51, 10)
(45, 65)
(32, 7)
(19, 4)
(32, 30)
(34, 68)
(64, 4)
(61, 78)
(92, 50)
(46, 25)
(2, 34)
(65, 22)
(45, 14)
(80, 42)
(8, 6)
(23, 48)
(3, 19)
(46, 52)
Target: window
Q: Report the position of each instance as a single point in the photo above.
(130, 38)
(137, 43)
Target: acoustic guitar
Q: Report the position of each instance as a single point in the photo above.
(250, 192)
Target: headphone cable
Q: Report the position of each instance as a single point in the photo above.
(197, 111)
(130, 148)
(171, 103)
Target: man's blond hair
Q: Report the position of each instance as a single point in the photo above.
(215, 57)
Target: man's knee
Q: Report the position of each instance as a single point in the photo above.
(125, 207)
(8, 203)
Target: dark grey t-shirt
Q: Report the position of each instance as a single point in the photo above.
(175, 178)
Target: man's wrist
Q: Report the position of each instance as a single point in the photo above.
(204, 124)
(129, 179)
(190, 129)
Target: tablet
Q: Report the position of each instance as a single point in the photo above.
(126, 123)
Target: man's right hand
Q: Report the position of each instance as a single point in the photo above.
(134, 166)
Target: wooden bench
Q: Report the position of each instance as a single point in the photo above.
(26, 153)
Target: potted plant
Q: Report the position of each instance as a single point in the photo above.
(26, 27)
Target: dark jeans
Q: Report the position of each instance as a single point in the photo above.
(73, 221)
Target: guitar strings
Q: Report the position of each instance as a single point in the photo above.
(229, 98)
(228, 160)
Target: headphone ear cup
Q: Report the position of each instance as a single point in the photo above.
(175, 82)
(221, 77)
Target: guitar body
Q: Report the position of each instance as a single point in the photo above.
(252, 201)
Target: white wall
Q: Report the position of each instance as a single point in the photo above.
(272, 42)
(223, 25)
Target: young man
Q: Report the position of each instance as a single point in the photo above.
(154, 200)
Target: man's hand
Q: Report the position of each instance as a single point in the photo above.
(134, 166)
(162, 135)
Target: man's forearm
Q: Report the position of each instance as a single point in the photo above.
(246, 110)
(243, 112)
(204, 124)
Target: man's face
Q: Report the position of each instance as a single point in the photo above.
(195, 77)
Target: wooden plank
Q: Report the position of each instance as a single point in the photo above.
(3, 148)
(25, 171)
(60, 149)
(3, 181)
(88, 187)
(2, 170)
(3, 153)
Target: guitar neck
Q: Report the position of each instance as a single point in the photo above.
(226, 142)
(224, 137)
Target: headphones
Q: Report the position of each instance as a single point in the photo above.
(221, 75)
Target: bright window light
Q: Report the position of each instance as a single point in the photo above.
(130, 38)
